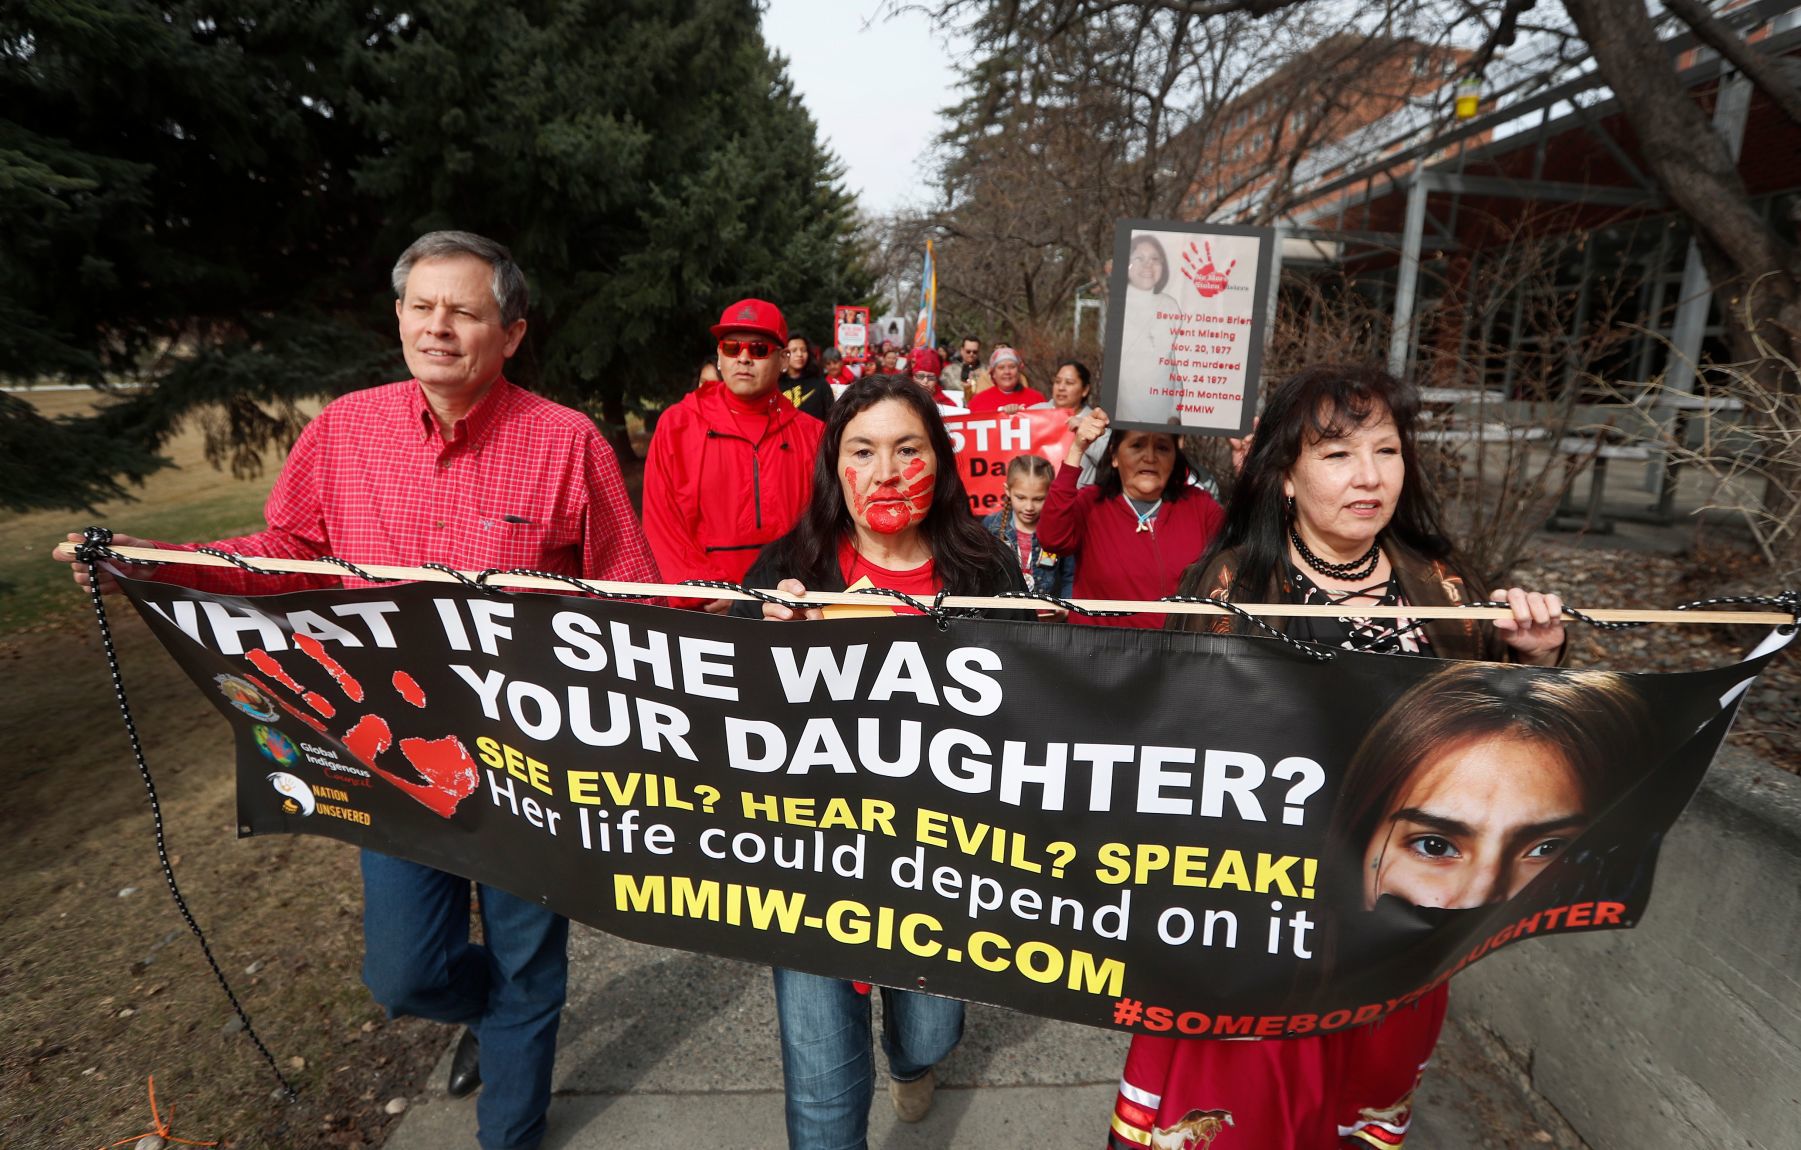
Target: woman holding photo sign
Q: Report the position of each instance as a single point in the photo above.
(1137, 529)
(886, 511)
(1331, 508)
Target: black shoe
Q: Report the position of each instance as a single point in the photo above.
(465, 1066)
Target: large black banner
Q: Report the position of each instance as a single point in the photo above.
(1172, 833)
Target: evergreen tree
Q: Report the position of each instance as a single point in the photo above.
(206, 197)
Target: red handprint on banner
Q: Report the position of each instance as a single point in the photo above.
(444, 764)
(1200, 271)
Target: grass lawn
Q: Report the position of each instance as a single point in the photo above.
(101, 983)
(188, 501)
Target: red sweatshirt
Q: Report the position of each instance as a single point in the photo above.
(723, 478)
(1115, 560)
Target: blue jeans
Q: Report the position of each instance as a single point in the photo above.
(418, 960)
(827, 1067)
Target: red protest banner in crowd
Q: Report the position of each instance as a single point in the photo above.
(987, 443)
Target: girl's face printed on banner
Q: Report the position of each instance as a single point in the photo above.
(887, 469)
(1027, 494)
(1475, 824)
(1144, 460)
(1345, 488)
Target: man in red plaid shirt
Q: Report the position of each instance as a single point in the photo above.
(457, 466)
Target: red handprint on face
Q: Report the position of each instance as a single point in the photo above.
(1207, 279)
(444, 764)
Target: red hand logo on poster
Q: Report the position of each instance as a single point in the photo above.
(1200, 271)
(444, 764)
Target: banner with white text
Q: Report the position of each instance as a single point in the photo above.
(1189, 834)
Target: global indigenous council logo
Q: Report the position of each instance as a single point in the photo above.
(275, 746)
(1208, 278)
(244, 695)
(296, 796)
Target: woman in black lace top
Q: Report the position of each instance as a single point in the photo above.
(1332, 508)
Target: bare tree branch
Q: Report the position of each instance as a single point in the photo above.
(1760, 69)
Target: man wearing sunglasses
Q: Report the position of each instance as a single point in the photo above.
(731, 465)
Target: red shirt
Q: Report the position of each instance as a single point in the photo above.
(993, 399)
(1351, 1088)
(520, 482)
(920, 582)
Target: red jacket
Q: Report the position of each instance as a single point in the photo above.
(993, 399)
(713, 496)
(1115, 560)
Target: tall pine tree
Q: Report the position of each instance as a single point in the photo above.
(206, 197)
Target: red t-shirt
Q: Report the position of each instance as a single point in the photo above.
(920, 582)
(994, 399)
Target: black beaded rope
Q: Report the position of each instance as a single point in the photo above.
(1065, 604)
(355, 570)
(1311, 650)
(759, 595)
(234, 560)
(91, 551)
(581, 585)
(472, 584)
(934, 609)
(1789, 601)
(1361, 568)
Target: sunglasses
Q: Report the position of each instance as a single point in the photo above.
(758, 348)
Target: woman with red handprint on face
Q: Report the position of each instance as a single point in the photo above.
(1146, 393)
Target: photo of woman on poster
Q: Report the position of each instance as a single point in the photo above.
(1145, 392)
(1478, 778)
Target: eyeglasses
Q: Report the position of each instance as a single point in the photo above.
(758, 348)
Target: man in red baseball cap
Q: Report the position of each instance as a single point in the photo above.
(731, 465)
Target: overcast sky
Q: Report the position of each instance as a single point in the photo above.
(875, 88)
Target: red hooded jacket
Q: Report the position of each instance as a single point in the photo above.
(722, 480)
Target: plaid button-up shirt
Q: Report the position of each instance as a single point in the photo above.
(520, 482)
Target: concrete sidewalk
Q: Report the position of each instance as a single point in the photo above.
(660, 1047)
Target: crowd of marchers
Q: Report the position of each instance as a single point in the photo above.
(784, 468)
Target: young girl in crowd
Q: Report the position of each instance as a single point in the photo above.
(1016, 526)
